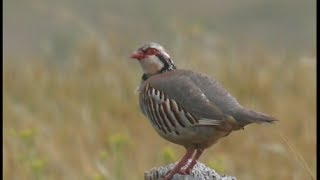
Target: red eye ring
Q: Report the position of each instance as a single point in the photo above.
(151, 51)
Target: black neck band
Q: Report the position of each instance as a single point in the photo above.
(168, 66)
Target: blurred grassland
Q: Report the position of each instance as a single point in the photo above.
(80, 119)
(70, 108)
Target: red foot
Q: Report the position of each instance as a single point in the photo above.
(171, 174)
(181, 163)
(189, 169)
(186, 171)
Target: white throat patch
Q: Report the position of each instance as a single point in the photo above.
(151, 65)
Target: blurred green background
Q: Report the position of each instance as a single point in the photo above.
(70, 107)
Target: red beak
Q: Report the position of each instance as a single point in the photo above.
(137, 55)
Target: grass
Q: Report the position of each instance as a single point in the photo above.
(80, 119)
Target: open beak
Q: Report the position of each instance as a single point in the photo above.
(137, 55)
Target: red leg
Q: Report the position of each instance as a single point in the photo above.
(188, 170)
(181, 163)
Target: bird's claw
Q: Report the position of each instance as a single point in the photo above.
(187, 171)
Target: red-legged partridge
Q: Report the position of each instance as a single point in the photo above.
(187, 108)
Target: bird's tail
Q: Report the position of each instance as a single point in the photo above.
(248, 116)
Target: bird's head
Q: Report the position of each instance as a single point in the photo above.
(153, 59)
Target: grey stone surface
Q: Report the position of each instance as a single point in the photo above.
(199, 172)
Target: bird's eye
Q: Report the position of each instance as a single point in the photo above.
(151, 51)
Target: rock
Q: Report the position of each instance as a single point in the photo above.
(199, 172)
